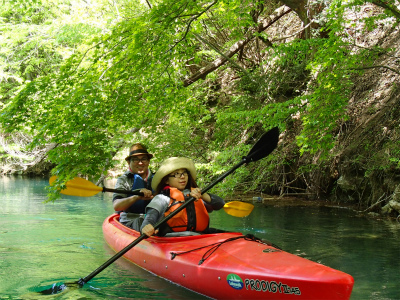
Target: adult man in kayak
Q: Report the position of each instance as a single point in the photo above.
(174, 183)
(138, 177)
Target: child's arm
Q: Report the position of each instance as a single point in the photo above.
(154, 211)
(152, 215)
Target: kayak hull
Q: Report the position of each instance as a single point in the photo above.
(229, 266)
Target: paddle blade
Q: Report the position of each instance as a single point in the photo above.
(265, 145)
(78, 187)
(238, 208)
(57, 288)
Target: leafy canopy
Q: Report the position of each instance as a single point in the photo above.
(102, 78)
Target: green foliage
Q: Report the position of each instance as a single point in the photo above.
(74, 34)
(30, 50)
(384, 156)
(335, 63)
(20, 11)
(84, 82)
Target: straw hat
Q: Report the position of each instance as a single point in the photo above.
(171, 164)
(138, 149)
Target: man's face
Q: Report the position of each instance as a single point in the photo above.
(139, 164)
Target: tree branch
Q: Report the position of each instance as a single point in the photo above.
(149, 4)
(202, 73)
(384, 4)
(379, 66)
(192, 19)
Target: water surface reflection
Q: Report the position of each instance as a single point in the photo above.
(42, 244)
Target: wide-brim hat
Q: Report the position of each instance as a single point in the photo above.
(171, 164)
(137, 152)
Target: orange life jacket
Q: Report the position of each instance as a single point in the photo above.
(194, 217)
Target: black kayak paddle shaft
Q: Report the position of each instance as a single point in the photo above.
(264, 146)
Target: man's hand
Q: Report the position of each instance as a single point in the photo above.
(147, 194)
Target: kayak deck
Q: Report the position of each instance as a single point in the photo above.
(230, 266)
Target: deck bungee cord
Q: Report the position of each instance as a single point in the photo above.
(215, 246)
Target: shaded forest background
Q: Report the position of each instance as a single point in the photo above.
(82, 80)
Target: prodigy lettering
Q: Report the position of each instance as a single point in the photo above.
(270, 286)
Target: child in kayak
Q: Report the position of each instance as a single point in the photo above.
(174, 183)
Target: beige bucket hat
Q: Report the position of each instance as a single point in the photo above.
(171, 164)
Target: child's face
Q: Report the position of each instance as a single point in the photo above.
(178, 179)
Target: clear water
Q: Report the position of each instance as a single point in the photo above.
(43, 244)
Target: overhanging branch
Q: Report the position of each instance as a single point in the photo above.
(378, 66)
(202, 73)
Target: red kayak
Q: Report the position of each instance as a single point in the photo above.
(230, 266)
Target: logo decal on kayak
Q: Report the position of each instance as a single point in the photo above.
(235, 281)
(261, 285)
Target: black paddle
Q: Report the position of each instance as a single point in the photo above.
(265, 145)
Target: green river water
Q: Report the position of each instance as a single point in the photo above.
(43, 244)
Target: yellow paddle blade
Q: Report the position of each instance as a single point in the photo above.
(78, 187)
(238, 208)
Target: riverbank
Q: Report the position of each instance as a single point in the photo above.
(292, 201)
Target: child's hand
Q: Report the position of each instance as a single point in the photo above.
(196, 193)
(149, 230)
